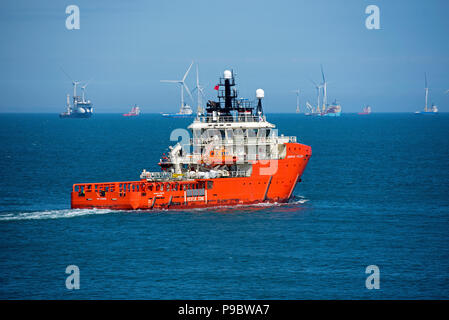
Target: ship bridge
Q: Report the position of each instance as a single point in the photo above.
(229, 137)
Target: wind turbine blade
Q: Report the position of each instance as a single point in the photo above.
(322, 73)
(185, 76)
(314, 83)
(425, 78)
(188, 91)
(67, 75)
(85, 85)
(171, 81)
(197, 76)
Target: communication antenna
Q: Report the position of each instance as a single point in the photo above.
(260, 94)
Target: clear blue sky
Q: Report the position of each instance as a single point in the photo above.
(128, 46)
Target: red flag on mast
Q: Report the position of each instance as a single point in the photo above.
(216, 87)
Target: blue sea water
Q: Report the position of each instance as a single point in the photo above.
(375, 192)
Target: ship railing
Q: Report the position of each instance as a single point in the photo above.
(197, 158)
(156, 175)
(236, 118)
(239, 173)
(253, 141)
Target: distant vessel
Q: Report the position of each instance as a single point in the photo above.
(334, 110)
(81, 107)
(366, 110)
(432, 110)
(135, 111)
(185, 110)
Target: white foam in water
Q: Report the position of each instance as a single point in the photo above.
(300, 201)
(70, 213)
(261, 204)
(52, 214)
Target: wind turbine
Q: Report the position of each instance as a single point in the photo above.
(309, 106)
(183, 85)
(426, 90)
(83, 88)
(324, 86)
(74, 82)
(318, 87)
(200, 92)
(297, 100)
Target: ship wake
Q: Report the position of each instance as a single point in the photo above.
(72, 213)
(52, 214)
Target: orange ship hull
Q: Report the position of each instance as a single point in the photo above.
(264, 185)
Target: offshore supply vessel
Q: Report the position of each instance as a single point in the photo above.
(81, 108)
(184, 112)
(334, 110)
(366, 111)
(234, 157)
(427, 110)
(135, 111)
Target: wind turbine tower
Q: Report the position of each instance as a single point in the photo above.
(74, 82)
(318, 91)
(200, 92)
(297, 100)
(426, 90)
(324, 86)
(83, 88)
